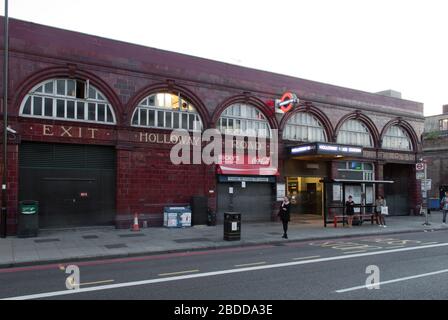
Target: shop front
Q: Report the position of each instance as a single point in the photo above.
(249, 189)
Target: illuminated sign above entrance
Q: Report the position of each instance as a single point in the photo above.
(302, 149)
(339, 149)
(325, 148)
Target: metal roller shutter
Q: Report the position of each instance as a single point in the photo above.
(74, 184)
(254, 202)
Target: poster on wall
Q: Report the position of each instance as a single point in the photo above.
(354, 191)
(369, 195)
(281, 191)
(337, 192)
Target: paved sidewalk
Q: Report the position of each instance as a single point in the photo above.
(108, 242)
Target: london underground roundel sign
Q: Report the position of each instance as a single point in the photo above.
(287, 101)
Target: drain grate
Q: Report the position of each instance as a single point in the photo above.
(46, 240)
(116, 246)
(131, 235)
(90, 237)
(192, 240)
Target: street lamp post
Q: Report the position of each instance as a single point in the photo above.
(5, 125)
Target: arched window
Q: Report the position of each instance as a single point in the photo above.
(354, 132)
(67, 99)
(304, 127)
(243, 119)
(396, 138)
(168, 111)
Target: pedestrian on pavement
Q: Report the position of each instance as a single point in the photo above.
(444, 205)
(350, 210)
(285, 216)
(379, 203)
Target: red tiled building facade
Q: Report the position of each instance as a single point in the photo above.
(117, 161)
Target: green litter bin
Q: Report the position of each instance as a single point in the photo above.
(28, 219)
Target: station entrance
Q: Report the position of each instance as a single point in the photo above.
(306, 194)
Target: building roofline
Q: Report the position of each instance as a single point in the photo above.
(378, 99)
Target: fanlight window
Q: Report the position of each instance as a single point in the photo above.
(243, 119)
(67, 99)
(354, 132)
(304, 127)
(396, 138)
(168, 111)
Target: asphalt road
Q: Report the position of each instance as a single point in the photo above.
(410, 266)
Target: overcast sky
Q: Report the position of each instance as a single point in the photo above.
(370, 45)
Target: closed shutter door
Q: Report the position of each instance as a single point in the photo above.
(74, 184)
(253, 202)
(397, 193)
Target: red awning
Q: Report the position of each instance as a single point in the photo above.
(244, 169)
(246, 165)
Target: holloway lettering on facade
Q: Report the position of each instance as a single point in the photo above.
(163, 138)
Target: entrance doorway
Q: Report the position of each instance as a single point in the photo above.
(306, 195)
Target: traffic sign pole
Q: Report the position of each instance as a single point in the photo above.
(425, 201)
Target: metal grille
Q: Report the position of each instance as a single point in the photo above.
(44, 155)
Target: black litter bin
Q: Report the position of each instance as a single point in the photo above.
(232, 226)
(28, 219)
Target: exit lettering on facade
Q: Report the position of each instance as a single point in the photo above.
(68, 131)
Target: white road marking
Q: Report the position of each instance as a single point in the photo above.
(303, 258)
(176, 273)
(353, 252)
(215, 273)
(250, 264)
(392, 281)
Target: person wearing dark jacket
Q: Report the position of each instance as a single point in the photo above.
(350, 210)
(284, 215)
